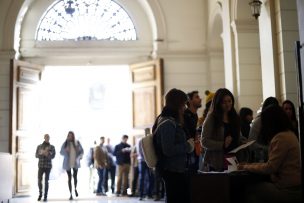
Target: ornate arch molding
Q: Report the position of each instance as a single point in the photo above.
(146, 15)
(12, 13)
(156, 17)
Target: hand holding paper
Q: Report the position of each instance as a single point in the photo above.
(241, 147)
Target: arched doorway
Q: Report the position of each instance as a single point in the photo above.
(77, 53)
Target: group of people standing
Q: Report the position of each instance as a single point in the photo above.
(274, 130)
(186, 143)
(108, 161)
(144, 181)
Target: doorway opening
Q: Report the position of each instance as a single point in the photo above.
(92, 101)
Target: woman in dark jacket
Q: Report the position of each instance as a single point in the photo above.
(172, 147)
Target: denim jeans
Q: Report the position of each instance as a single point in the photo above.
(42, 171)
(100, 172)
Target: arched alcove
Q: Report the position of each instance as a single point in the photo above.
(216, 50)
(146, 15)
(215, 34)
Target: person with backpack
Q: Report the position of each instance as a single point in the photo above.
(146, 176)
(172, 147)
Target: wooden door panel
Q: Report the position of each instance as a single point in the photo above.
(27, 108)
(24, 175)
(25, 78)
(147, 92)
(144, 102)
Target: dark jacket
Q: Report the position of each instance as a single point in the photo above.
(172, 143)
(190, 120)
(45, 161)
(122, 157)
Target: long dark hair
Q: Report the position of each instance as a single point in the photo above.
(293, 109)
(270, 101)
(175, 99)
(73, 141)
(244, 112)
(217, 111)
(274, 120)
(293, 119)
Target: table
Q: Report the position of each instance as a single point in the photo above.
(221, 187)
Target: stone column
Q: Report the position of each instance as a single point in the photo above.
(248, 64)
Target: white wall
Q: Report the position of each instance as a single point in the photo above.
(185, 49)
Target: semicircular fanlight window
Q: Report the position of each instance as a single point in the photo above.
(85, 20)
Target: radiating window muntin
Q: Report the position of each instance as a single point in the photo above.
(91, 20)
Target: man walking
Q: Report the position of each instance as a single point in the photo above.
(45, 152)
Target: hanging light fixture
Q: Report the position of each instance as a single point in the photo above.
(68, 7)
(255, 6)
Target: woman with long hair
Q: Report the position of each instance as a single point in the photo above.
(221, 131)
(259, 151)
(290, 110)
(72, 152)
(283, 163)
(172, 147)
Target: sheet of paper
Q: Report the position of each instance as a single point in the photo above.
(233, 164)
(241, 147)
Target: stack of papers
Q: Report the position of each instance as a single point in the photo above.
(233, 160)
